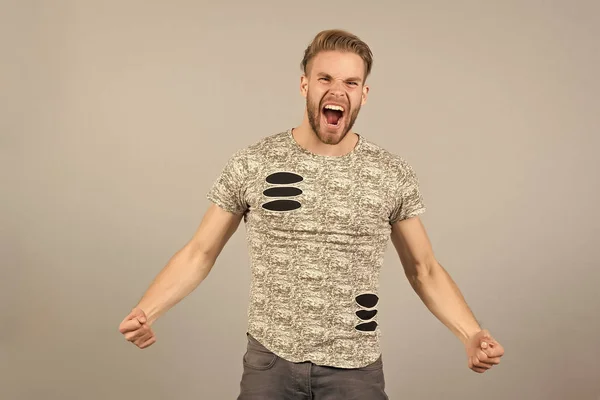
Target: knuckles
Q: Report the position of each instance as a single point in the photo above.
(137, 334)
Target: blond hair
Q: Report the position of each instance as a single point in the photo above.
(339, 40)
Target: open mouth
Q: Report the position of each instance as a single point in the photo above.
(333, 114)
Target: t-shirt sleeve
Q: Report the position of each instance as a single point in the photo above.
(228, 190)
(408, 200)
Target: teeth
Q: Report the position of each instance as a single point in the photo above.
(332, 107)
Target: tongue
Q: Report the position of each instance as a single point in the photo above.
(332, 116)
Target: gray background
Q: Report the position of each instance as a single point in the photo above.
(118, 115)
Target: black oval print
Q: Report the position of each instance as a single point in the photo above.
(366, 314)
(284, 178)
(282, 192)
(367, 300)
(282, 205)
(367, 327)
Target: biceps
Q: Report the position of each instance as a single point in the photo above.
(412, 245)
(215, 230)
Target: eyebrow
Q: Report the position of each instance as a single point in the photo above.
(325, 75)
(355, 78)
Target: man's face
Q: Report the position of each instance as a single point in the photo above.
(335, 91)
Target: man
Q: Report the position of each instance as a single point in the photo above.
(320, 203)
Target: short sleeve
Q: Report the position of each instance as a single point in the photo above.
(227, 191)
(408, 200)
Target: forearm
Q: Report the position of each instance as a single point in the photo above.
(182, 274)
(443, 298)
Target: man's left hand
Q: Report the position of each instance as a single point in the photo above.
(483, 351)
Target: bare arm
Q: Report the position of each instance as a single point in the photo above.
(430, 280)
(191, 264)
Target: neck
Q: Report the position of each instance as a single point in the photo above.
(306, 137)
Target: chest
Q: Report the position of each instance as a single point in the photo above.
(344, 199)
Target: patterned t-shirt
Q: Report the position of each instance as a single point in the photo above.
(317, 228)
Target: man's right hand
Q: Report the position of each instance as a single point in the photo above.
(136, 329)
(183, 273)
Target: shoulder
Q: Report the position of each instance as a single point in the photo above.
(256, 152)
(386, 159)
(263, 145)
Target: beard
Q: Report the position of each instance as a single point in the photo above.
(314, 110)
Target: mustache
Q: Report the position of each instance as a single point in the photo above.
(346, 102)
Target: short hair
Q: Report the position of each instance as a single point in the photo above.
(340, 40)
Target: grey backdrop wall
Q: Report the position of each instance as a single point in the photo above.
(118, 115)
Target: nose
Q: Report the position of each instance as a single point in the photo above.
(337, 88)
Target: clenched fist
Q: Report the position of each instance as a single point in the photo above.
(136, 330)
(483, 351)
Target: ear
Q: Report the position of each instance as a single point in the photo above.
(365, 93)
(304, 85)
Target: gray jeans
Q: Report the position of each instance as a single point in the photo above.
(269, 377)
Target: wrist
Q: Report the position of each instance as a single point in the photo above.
(149, 312)
(465, 335)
